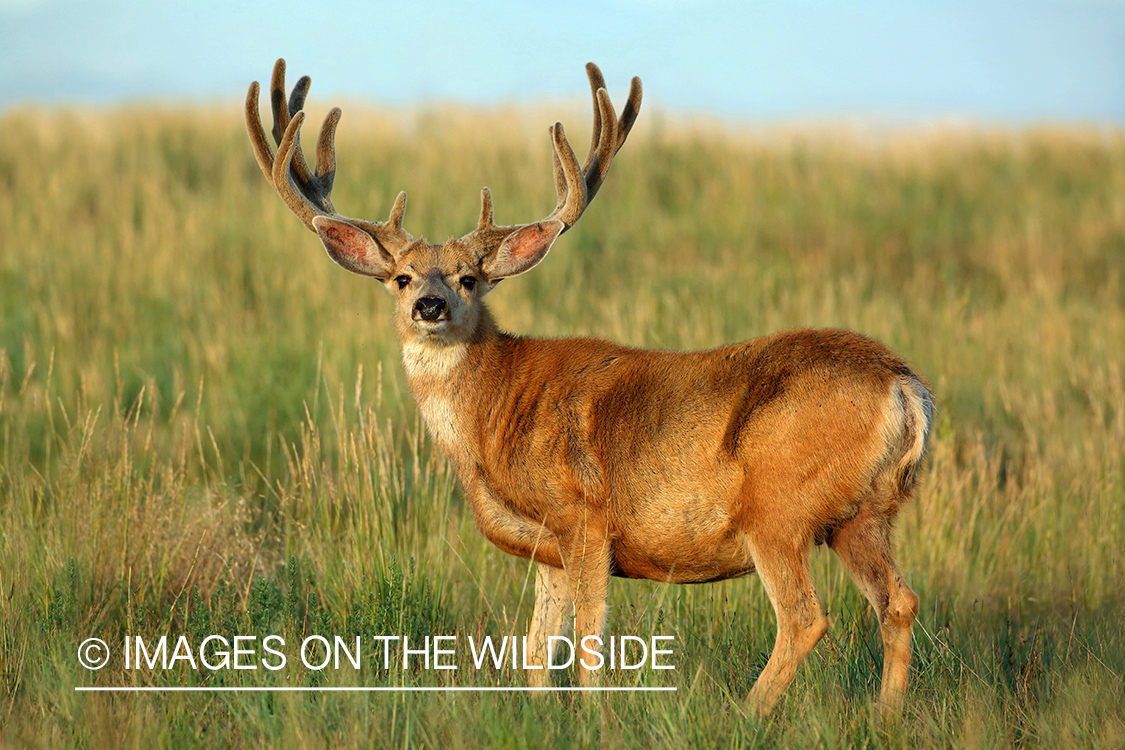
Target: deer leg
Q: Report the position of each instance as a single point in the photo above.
(801, 624)
(864, 546)
(552, 616)
(586, 557)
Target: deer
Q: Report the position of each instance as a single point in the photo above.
(595, 460)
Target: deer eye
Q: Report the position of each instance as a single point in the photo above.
(402, 281)
(468, 282)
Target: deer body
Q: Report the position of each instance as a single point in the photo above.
(596, 460)
(549, 433)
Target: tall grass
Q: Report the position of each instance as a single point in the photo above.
(204, 427)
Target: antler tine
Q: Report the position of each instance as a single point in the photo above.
(277, 100)
(298, 95)
(559, 175)
(487, 234)
(597, 83)
(283, 113)
(262, 151)
(389, 233)
(575, 202)
(629, 113)
(326, 151)
(282, 180)
(599, 159)
(485, 210)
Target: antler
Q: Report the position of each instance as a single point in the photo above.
(576, 186)
(308, 193)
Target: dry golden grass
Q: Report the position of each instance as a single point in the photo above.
(203, 422)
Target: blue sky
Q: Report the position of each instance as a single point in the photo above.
(1039, 60)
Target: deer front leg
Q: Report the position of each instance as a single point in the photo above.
(554, 612)
(586, 559)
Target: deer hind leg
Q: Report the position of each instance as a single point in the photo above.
(554, 611)
(864, 546)
(586, 559)
(784, 571)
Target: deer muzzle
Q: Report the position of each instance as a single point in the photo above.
(430, 308)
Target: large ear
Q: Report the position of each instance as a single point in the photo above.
(521, 250)
(353, 249)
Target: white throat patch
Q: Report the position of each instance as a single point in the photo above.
(425, 364)
(422, 361)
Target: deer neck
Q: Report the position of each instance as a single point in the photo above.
(438, 370)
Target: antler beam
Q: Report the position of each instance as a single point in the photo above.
(575, 185)
(308, 193)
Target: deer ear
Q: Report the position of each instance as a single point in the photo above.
(521, 250)
(353, 249)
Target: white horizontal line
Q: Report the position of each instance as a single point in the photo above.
(309, 689)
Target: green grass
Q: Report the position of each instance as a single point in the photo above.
(204, 427)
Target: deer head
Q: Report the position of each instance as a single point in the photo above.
(438, 288)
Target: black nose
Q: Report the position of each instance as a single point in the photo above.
(429, 308)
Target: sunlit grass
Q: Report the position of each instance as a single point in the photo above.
(204, 426)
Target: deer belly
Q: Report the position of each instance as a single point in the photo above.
(682, 543)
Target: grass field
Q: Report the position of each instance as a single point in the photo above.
(205, 429)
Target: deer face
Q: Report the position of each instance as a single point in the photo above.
(437, 291)
(437, 288)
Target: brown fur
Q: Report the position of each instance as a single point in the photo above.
(598, 460)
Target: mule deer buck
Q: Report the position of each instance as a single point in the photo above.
(594, 459)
